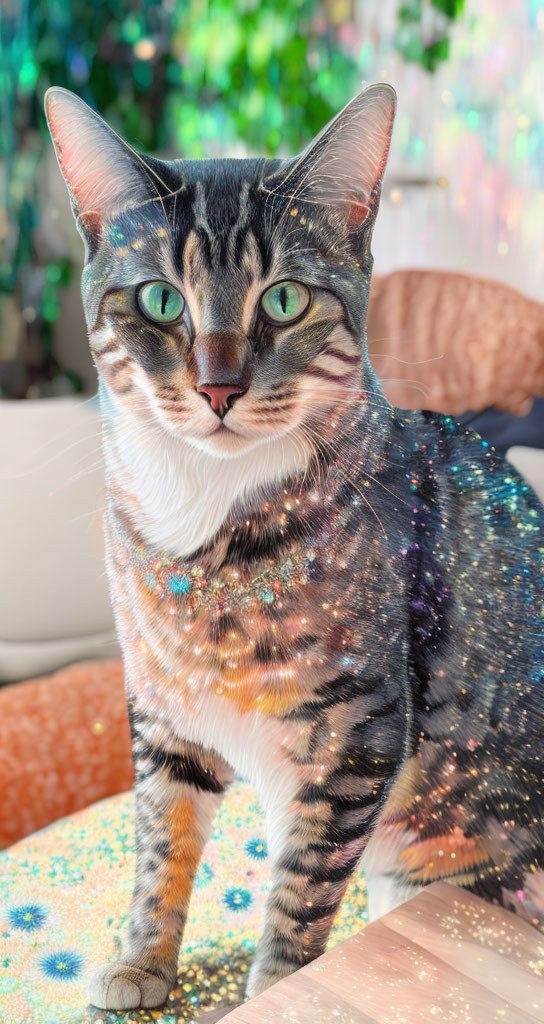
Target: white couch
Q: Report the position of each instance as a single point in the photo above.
(54, 603)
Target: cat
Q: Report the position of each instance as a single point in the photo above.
(337, 600)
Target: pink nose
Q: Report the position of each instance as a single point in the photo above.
(219, 395)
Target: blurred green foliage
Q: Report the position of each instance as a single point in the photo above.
(430, 45)
(183, 76)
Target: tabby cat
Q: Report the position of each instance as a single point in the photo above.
(337, 600)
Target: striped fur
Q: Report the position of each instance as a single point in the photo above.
(340, 602)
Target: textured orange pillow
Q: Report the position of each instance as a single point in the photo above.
(453, 342)
(64, 743)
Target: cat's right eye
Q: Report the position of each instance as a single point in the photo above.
(160, 302)
(285, 301)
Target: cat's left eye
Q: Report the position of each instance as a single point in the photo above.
(160, 301)
(285, 301)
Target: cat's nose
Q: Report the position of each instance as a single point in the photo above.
(221, 396)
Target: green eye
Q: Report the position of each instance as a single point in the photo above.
(285, 301)
(160, 302)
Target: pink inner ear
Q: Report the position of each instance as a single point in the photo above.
(351, 155)
(98, 167)
(357, 213)
(91, 221)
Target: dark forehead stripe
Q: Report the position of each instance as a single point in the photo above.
(222, 202)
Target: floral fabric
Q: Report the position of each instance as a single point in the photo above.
(64, 897)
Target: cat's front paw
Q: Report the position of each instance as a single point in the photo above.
(118, 986)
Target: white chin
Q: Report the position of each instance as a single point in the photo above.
(225, 444)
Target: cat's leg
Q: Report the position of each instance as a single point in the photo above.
(178, 792)
(386, 884)
(321, 846)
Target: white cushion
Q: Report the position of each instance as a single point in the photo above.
(54, 602)
(530, 463)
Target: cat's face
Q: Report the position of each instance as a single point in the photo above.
(226, 299)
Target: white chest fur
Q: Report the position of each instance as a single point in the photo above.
(184, 494)
(255, 745)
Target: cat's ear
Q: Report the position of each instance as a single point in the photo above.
(343, 166)
(101, 170)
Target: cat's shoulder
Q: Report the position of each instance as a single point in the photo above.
(463, 463)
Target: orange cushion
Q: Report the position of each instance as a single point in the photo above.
(64, 744)
(442, 340)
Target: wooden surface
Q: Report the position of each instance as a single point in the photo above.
(443, 956)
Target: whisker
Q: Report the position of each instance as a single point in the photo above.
(406, 380)
(405, 362)
(372, 509)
